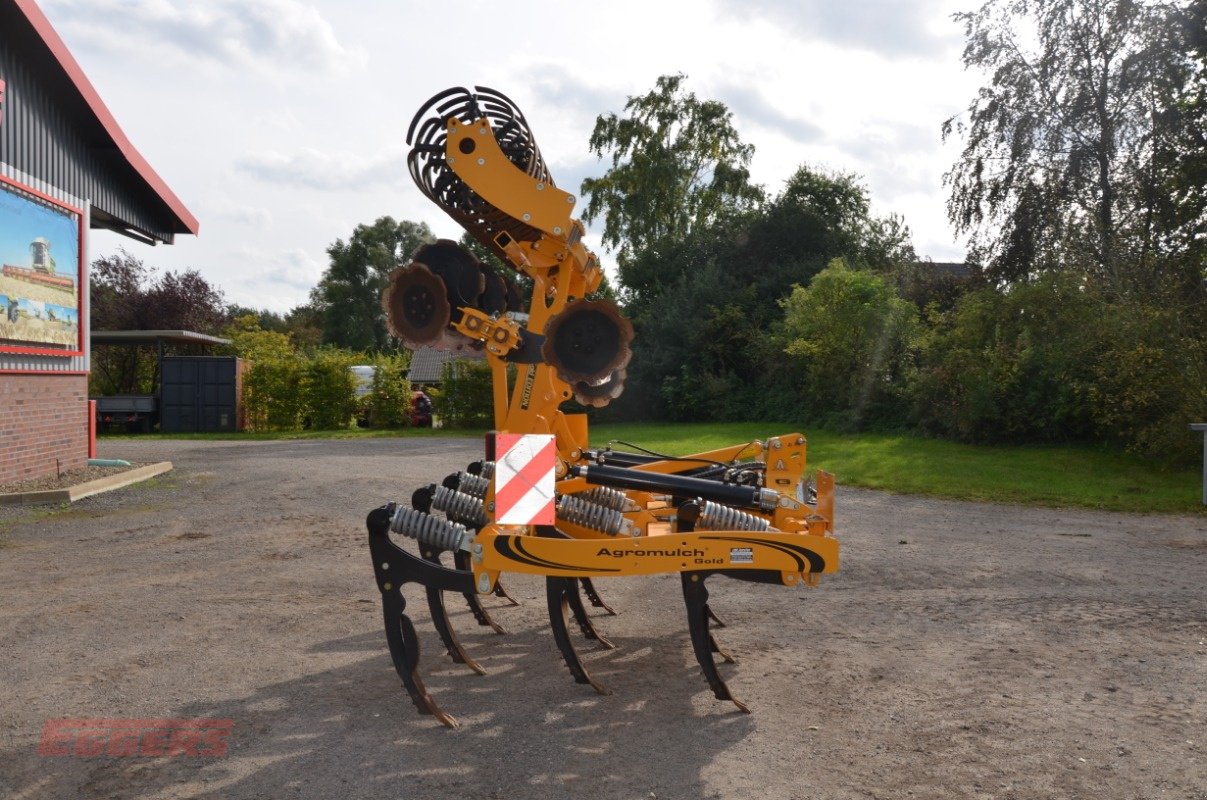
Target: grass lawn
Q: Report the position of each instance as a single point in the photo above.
(1049, 476)
(1034, 475)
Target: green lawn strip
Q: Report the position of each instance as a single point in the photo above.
(1047, 475)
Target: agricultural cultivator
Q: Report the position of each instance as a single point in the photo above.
(542, 501)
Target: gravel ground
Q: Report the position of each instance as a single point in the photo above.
(965, 651)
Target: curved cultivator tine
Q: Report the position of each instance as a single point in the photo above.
(593, 596)
(462, 562)
(404, 650)
(716, 648)
(558, 592)
(580, 616)
(440, 620)
(502, 593)
(394, 567)
(695, 595)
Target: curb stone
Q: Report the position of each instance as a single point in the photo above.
(82, 490)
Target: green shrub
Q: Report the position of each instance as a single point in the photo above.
(329, 389)
(851, 339)
(388, 403)
(272, 394)
(1011, 366)
(272, 382)
(466, 399)
(1150, 382)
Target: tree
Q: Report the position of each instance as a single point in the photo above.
(125, 294)
(305, 324)
(1057, 167)
(268, 320)
(349, 293)
(1182, 160)
(677, 164)
(703, 348)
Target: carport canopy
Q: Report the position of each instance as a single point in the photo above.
(155, 337)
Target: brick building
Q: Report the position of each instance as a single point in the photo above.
(65, 168)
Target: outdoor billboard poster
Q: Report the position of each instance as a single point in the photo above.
(40, 269)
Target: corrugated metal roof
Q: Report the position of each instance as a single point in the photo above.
(57, 129)
(427, 364)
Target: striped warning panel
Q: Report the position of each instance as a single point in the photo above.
(524, 479)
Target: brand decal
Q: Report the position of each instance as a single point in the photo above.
(681, 552)
(529, 382)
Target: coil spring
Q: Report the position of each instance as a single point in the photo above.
(442, 534)
(591, 515)
(716, 517)
(605, 496)
(472, 485)
(488, 469)
(459, 506)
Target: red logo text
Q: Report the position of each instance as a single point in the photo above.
(87, 738)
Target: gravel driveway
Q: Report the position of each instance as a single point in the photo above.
(966, 650)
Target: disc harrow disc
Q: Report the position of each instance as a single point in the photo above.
(493, 300)
(460, 271)
(416, 306)
(587, 342)
(600, 394)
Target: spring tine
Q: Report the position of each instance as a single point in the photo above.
(461, 560)
(502, 593)
(717, 621)
(580, 616)
(394, 567)
(695, 596)
(404, 652)
(557, 591)
(593, 596)
(435, 604)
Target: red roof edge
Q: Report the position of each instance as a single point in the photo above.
(59, 50)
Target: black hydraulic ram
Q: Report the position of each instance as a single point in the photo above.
(708, 468)
(679, 485)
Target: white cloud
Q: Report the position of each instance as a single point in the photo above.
(274, 279)
(313, 169)
(244, 215)
(749, 105)
(886, 27)
(280, 33)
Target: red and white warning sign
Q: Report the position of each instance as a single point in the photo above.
(524, 479)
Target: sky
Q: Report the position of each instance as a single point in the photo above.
(281, 124)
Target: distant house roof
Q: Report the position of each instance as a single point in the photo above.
(105, 158)
(427, 363)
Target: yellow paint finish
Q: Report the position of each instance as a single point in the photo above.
(786, 553)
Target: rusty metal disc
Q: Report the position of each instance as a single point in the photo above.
(458, 268)
(587, 342)
(416, 306)
(600, 394)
